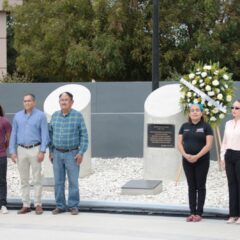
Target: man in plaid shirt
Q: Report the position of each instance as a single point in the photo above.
(69, 142)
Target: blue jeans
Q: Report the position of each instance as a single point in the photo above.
(3, 181)
(64, 163)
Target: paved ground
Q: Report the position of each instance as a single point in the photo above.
(99, 226)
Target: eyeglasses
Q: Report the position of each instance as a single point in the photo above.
(235, 108)
(195, 110)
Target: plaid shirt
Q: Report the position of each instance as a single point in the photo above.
(68, 131)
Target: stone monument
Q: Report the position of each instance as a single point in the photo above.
(163, 117)
(82, 103)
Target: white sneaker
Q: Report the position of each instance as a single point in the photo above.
(4, 210)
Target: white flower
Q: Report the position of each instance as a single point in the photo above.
(209, 104)
(182, 94)
(194, 82)
(213, 119)
(191, 76)
(225, 77)
(229, 98)
(203, 74)
(211, 93)
(207, 67)
(215, 82)
(220, 96)
(215, 90)
(221, 116)
(208, 88)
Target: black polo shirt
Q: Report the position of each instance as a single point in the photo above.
(194, 136)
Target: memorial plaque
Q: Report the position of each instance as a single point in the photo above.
(161, 135)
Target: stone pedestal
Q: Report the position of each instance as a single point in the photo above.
(142, 187)
(163, 117)
(82, 103)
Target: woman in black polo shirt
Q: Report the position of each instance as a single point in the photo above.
(194, 143)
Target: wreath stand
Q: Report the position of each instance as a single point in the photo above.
(218, 142)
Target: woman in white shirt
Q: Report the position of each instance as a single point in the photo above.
(230, 160)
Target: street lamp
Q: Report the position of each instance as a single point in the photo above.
(155, 45)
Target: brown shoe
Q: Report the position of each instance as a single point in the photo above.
(38, 210)
(24, 210)
(74, 211)
(58, 211)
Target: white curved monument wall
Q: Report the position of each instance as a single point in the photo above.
(162, 107)
(82, 103)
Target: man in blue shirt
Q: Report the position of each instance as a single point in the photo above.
(28, 142)
(69, 142)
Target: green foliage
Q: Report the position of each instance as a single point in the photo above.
(15, 78)
(110, 40)
(193, 31)
(80, 40)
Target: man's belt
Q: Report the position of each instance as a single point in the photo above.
(29, 146)
(66, 150)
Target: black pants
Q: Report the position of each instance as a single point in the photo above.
(232, 163)
(196, 174)
(3, 181)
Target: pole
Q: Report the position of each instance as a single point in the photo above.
(155, 46)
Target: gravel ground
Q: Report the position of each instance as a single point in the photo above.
(109, 175)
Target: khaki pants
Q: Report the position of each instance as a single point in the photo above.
(25, 159)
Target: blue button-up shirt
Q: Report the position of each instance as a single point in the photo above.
(29, 129)
(68, 131)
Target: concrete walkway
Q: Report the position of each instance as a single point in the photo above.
(99, 226)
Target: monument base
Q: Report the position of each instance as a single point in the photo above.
(142, 187)
(47, 184)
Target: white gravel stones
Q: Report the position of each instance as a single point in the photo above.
(109, 175)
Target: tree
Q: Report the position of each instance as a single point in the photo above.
(204, 31)
(11, 52)
(80, 40)
(110, 40)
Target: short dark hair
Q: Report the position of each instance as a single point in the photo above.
(1, 111)
(31, 95)
(68, 93)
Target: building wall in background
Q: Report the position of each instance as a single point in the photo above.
(117, 112)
